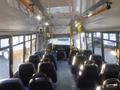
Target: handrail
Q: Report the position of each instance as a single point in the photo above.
(96, 6)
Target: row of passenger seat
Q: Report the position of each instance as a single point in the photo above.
(89, 70)
(38, 73)
(40, 82)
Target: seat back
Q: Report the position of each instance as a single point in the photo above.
(78, 60)
(52, 59)
(71, 55)
(110, 71)
(89, 77)
(48, 69)
(61, 55)
(40, 84)
(111, 84)
(39, 75)
(39, 53)
(87, 53)
(97, 59)
(90, 72)
(34, 59)
(81, 59)
(26, 71)
(11, 84)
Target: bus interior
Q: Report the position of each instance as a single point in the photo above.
(59, 45)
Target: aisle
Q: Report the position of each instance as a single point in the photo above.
(65, 79)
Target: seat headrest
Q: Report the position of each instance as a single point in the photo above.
(50, 56)
(39, 75)
(45, 65)
(39, 53)
(87, 53)
(46, 60)
(29, 67)
(95, 57)
(89, 62)
(90, 69)
(82, 57)
(40, 84)
(34, 59)
(112, 67)
(11, 84)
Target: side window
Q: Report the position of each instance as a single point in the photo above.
(4, 58)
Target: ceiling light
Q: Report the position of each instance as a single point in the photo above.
(90, 14)
(38, 17)
(46, 23)
(76, 23)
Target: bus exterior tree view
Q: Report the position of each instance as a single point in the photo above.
(59, 45)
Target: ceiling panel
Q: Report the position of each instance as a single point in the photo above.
(12, 19)
(63, 9)
(56, 3)
(59, 13)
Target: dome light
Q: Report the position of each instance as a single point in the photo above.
(38, 17)
(46, 23)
